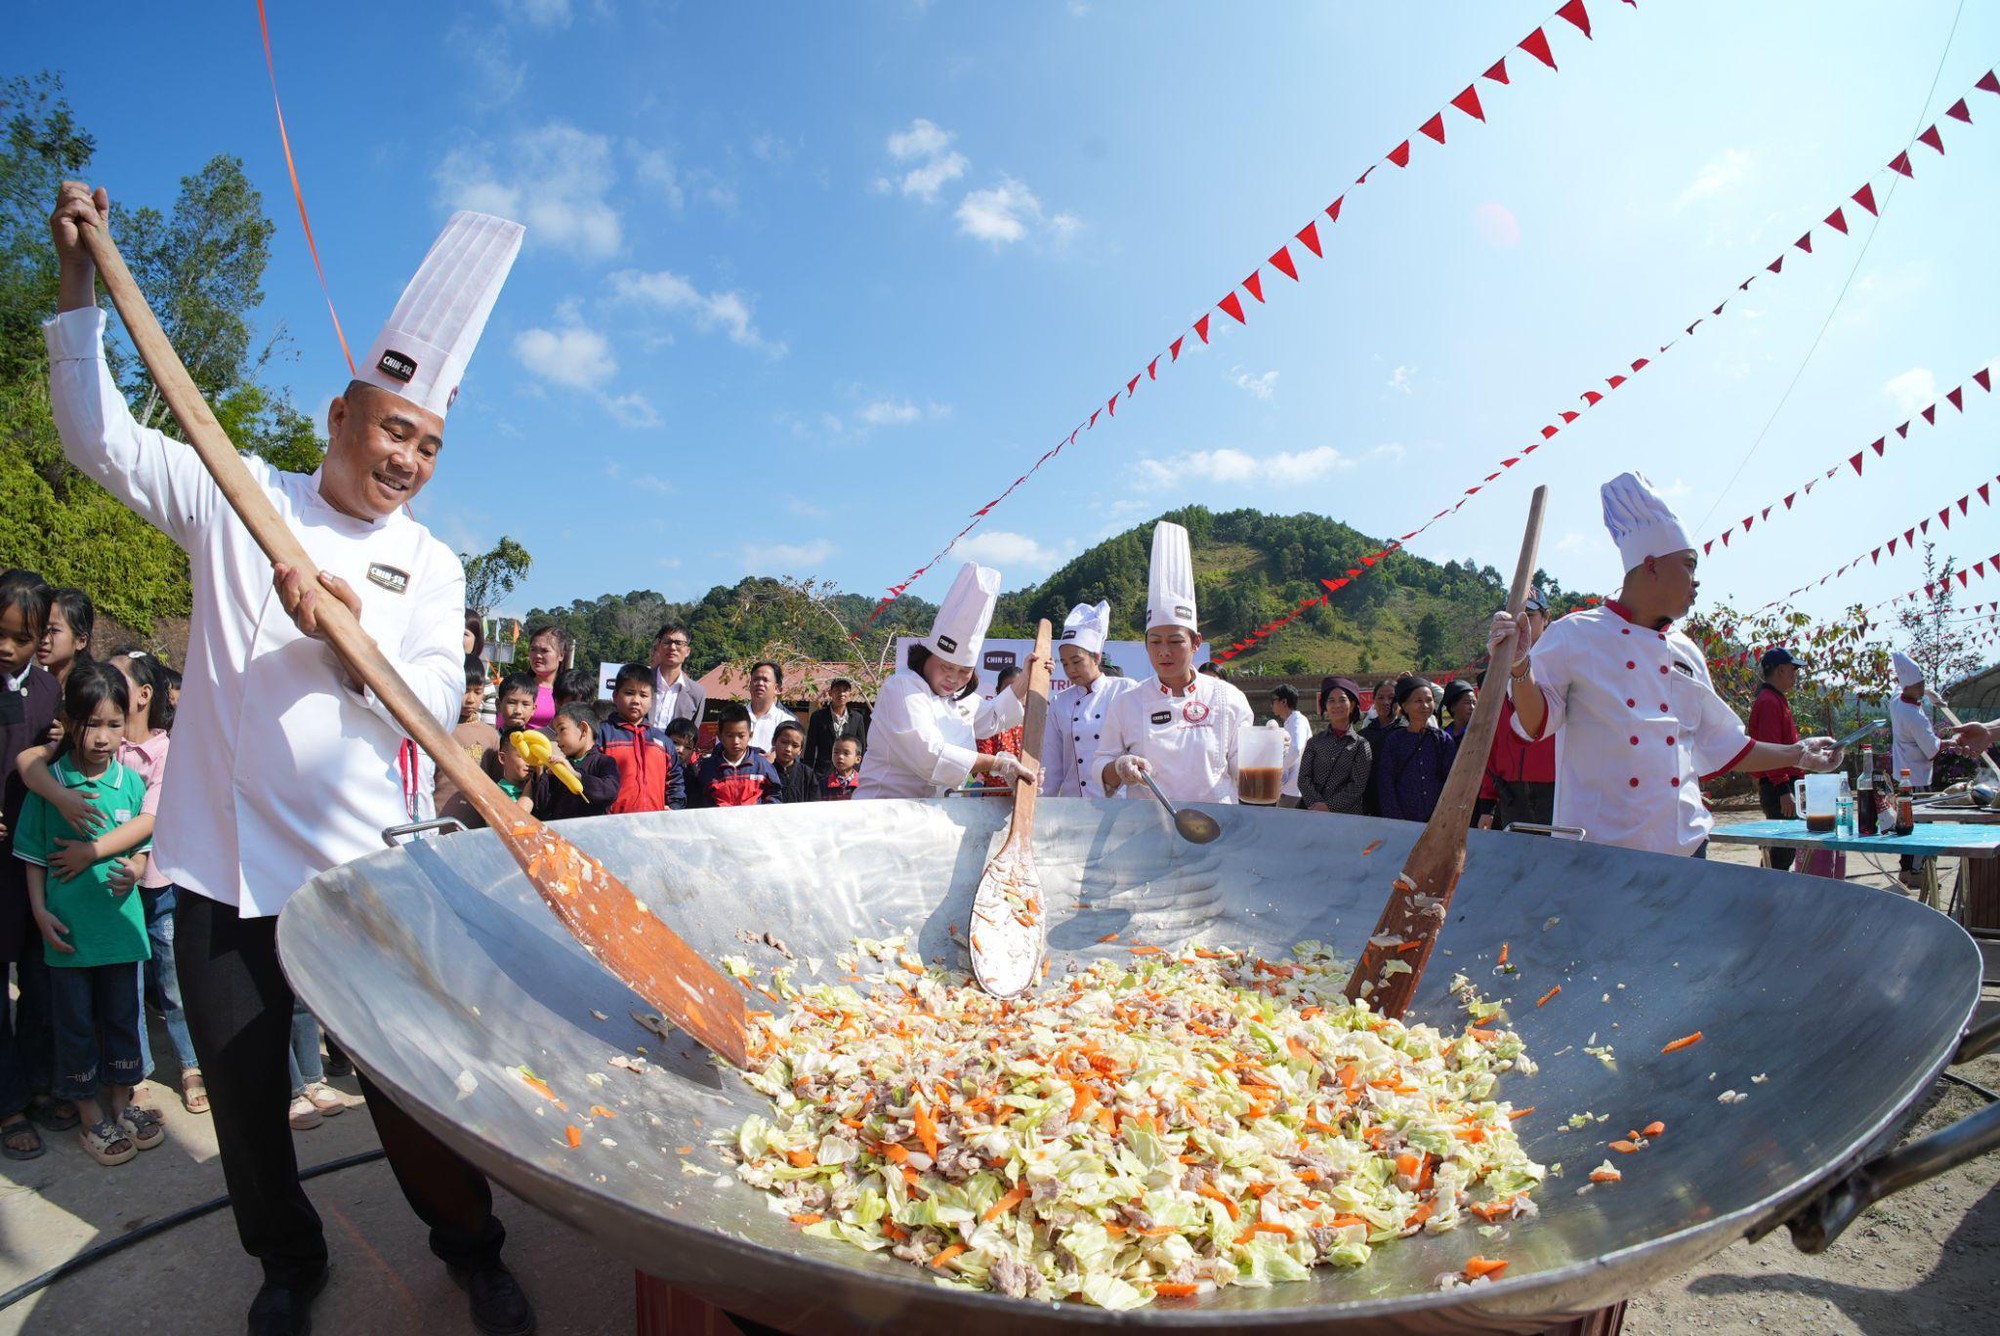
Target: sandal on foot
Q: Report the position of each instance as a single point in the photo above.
(326, 1099)
(55, 1115)
(194, 1093)
(107, 1143)
(11, 1133)
(143, 1127)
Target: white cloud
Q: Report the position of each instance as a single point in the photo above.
(632, 410)
(935, 164)
(1403, 378)
(787, 558)
(1015, 555)
(655, 168)
(645, 482)
(1260, 386)
(771, 148)
(498, 76)
(1230, 466)
(1912, 390)
(668, 291)
(557, 180)
(541, 13)
(889, 413)
(1497, 224)
(1002, 214)
(1716, 176)
(572, 354)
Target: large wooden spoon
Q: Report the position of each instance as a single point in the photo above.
(612, 923)
(1009, 914)
(1409, 925)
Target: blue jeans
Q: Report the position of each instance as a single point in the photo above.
(96, 1010)
(162, 984)
(27, 1039)
(307, 1066)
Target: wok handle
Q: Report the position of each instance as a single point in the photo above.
(1822, 1220)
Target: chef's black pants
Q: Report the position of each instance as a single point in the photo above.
(239, 1010)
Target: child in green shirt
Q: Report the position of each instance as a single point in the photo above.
(93, 934)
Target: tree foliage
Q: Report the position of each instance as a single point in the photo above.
(1929, 636)
(1846, 676)
(492, 575)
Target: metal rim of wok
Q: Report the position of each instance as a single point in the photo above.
(389, 952)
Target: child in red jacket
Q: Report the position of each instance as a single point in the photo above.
(650, 775)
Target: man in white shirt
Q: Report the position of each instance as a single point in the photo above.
(1076, 713)
(766, 714)
(283, 768)
(1914, 746)
(1636, 720)
(675, 694)
(1180, 726)
(1298, 732)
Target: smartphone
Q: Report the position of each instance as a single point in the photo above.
(1862, 732)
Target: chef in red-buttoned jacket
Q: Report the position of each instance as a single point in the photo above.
(1636, 720)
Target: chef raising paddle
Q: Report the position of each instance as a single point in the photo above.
(1636, 719)
(282, 768)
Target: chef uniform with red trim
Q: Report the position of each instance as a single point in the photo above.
(1076, 713)
(1188, 733)
(1636, 719)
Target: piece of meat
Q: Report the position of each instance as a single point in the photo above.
(1010, 1277)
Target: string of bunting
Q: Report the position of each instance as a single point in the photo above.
(299, 194)
(1836, 221)
(1908, 538)
(1955, 396)
(1965, 574)
(1285, 261)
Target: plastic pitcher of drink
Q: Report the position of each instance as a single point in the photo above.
(1260, 765)
(1822, 809)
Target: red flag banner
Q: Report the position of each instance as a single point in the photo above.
(1962, 503)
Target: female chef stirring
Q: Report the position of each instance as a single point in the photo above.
(920, 741)
(1636, 721)
(1178, 726)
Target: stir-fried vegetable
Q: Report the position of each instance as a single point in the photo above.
(1192, 1119)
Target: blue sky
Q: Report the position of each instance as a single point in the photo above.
(805, 284)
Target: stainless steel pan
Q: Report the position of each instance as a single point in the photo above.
(439, 970)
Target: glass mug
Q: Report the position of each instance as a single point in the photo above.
(1260, 765)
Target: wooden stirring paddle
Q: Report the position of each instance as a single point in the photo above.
(1009, 915)
(1409, 925)
(597, 908)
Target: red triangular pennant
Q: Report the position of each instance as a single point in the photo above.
(1174, 350)
(1956, 394)
(1232, 306)
(1962, 578)
(1309, 238)
(1433, 128)
(1281, 260)
(1875, 557)
(1591, 397)
(1570, 415)
(1547, 432)
(1933, 138)
(1641, 364)
(1400, 155)
(1788, 499)
(1765, 514)
(1468, 102)
(1132, 385)
(1988, 83)
(1982, 492)
(1901, 163)
(1153, 369)
(1498, 71)
(1958, 112)
(1575, 13)
(1865, 197)
(1725, 538)
(1254, 285)
(1892, 546)
(1333, 209)
(1878, 443)
(1837, 221)
(1615, 381)
(1093, 420)
(1985, 378)
(1855, 460)
(1930, 414)
(1910, 536)
(1963, 502)
(1776, 265)
(1201, 328)
(1903, 430)
(1804, 243)
(1536, 44)
(1705, 547)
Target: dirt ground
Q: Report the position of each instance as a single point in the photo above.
(1925, 1261)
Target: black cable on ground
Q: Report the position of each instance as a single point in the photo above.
(1992, 1096)
(161, 1226)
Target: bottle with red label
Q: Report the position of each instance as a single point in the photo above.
(1906, 817)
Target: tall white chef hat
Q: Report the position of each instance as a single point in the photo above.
(959, 631)
(421, 354)
(1907, 672)
(1170, 591)
(1639, 520)
(1086, 626)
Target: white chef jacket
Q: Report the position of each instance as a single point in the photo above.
(1916, 743)
(920, 743)
(280, 772)
(1070, 768)
(1189, 739)
(764, 727)
(1300, 730)
(1638, 725)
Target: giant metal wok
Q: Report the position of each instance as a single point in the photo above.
(1832, 1007)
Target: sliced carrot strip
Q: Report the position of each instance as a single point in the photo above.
(1605, 1176)
(1654, 1129)
(1685, 1041)
(1109, 937)
(926, 1130)
(1007, 1203)
(1543, 999)
(1174, 1289)
(575, 1136)
(799, 1159)
(807, 1218)
(1475, 1267)
(944, 1259)
(1522, 1113)
(1228, 1204)
(1623, 1147)
(1373, 845)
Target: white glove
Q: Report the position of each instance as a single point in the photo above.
(1500, 629)
(1131, 769)
(1820, 756)
(1010, 769)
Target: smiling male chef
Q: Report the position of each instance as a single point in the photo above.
(1179, 726)
(1636, 719)
(282, 769)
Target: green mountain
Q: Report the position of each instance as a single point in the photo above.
(1252, 568)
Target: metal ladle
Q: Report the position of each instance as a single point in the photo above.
(1194, 827)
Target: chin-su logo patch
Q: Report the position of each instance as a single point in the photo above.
(1182, 610)
(1069, 633)
(947, 644)
(1163, 716)
(391, 579)
(398, 366)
